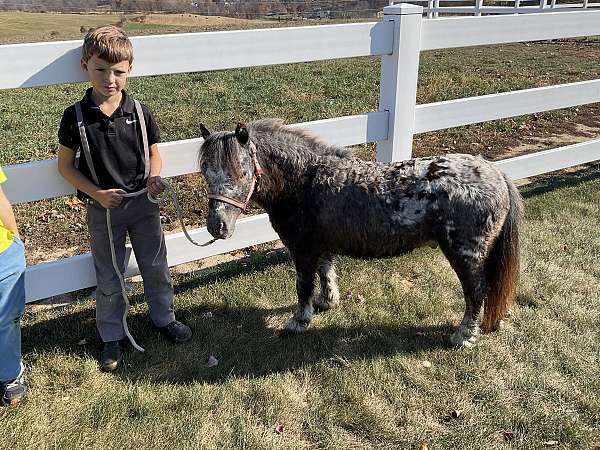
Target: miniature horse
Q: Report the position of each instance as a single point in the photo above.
(322, 202)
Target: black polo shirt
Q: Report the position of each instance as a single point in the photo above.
(115, 142)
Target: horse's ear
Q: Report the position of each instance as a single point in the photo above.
(241, 133)
(204, 131)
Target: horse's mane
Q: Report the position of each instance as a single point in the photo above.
(271, 133)
(278, 129)
(224, 145)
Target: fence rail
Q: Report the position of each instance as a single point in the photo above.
(46, 63)
(398, 39)
(180, 157)
(470, 31)
(435, 8)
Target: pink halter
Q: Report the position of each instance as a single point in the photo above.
(258, 172)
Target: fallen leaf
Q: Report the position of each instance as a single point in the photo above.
(74, 203)
(279, 429)
(212, 361)
(82, 342)
(426, 364)
(424, 446)
(508, 435)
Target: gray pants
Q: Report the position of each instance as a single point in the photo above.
(141, 219)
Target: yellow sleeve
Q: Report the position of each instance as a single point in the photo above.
(2, 176)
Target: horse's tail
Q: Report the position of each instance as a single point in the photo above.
(502, 264)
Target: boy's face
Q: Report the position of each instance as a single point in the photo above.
(107, 78)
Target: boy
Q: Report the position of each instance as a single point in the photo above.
(117, 138)
(12, 304)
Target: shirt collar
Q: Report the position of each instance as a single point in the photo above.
(127, 103)
(127, 106)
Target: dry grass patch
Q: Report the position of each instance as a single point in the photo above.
(205, 22)
(17, 27)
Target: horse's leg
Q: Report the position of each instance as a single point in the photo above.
(469, 267)
(330, 294)
(474, 289)
(306, 268)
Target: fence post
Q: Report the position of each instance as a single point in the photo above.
(478, 5)
(399, 73)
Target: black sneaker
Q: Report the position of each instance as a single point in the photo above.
(176, 332)
(14, 391)
(111, 356)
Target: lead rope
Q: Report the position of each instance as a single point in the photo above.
(121, 277)
(173, 195)
(175, 200)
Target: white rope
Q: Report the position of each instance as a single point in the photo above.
(173, 195)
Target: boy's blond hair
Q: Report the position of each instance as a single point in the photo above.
(109, 43)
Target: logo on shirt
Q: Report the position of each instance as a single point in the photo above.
(129, 122)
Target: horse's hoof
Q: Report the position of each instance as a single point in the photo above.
(460, 340)
(323, 307)
(294, 327)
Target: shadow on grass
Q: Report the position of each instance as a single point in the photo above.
(244, 339)
(553, 181)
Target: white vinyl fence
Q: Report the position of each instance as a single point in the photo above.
(399, 38)
(437, 8)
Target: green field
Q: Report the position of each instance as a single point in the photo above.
(357, 379)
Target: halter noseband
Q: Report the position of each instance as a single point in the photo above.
(258, 171)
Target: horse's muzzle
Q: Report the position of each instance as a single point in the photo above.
(219, 228)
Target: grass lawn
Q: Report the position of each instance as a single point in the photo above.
(375, 373)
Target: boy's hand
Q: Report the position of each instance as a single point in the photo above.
(109, 198)
(155, 186)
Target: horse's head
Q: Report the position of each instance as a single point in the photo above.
(230, 168)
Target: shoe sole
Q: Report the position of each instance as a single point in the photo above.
(13, 402)
(111, 367)
(173, 340)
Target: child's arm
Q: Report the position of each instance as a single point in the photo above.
(7, 216)
(154, 183)
(108, 198)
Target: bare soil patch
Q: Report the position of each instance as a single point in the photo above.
(193, 20)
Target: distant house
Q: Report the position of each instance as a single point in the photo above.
(317, 13)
